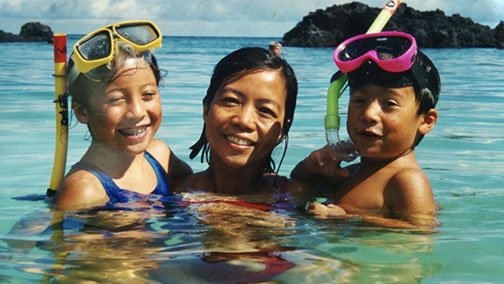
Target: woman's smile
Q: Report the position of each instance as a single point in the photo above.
(239, 141)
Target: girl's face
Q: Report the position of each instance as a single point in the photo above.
(383, 122)
(245, 119)
(126, 114)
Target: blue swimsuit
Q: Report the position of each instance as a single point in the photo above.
(119, 195)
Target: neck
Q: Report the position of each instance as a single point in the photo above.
(113, 162)
(378, 163)
(233, 180)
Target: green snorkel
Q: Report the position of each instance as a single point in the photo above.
(338, 84)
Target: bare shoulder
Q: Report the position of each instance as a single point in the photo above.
(80, 189)
(159, 149)
(410, 190)
(411, 179)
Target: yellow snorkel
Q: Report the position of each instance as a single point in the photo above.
(339, 79)
(61, 108)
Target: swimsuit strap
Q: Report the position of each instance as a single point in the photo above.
(163, 186)
(119, 195)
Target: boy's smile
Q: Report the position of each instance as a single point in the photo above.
(382, 122)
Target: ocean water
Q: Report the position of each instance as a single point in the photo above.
(463, 158)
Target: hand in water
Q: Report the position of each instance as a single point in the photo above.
(324, 211)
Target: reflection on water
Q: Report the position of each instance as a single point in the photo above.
(194, 239)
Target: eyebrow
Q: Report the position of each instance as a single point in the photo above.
(242, 95)
(122, 89)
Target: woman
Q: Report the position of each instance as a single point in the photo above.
(247, 112)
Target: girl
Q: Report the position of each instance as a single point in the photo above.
(113, 79)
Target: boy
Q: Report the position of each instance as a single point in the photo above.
(393, 91)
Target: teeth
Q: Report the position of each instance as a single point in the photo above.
(133, 132)
(239, 141)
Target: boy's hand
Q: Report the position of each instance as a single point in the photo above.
(344, 151)
(325, 163)
(322, 210)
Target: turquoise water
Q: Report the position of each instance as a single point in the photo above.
(463, 157)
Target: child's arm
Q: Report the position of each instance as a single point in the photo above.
(408, 203)
(320, 163)
(178, 168)
(175, 167)
(329, 211)
(79, 189)
(409, 197)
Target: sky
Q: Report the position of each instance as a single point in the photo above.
(254, 18)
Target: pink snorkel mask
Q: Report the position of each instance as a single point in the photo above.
(392, 51)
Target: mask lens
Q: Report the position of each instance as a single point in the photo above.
(104, 51)
(387, 48)
(96, 47)
(138, 34)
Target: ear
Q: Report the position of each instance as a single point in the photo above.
(428, 120)
(282, 135)
(80, 112)
(206, 109)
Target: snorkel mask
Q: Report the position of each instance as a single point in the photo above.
(392, 51)
(101, 53)
(388, 59)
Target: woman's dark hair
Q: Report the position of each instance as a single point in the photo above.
(237, 64)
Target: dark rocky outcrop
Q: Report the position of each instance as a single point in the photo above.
(329, 27)
(30, 32)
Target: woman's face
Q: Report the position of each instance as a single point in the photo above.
(127, 113)
(245, 119)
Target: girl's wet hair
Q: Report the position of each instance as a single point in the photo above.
(82, 87)
(240, 63)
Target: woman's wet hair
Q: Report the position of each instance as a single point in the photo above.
(240, 63)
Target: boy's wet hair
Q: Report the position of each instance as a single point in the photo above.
(423, 76)
(240, 63)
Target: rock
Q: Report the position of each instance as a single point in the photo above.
(30, 32)
(329, 27)
(499, 35)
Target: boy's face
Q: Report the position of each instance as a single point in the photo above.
(383, 122)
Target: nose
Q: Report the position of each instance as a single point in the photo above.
(245, 118)
(372, 111)
(136, 108)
